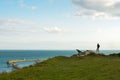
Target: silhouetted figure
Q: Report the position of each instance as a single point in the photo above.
(98, 46)
(79, 52)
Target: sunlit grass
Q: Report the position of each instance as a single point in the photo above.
(73, 68)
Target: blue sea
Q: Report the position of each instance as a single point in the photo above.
(6, 55)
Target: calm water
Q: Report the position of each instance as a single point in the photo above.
(6, 55)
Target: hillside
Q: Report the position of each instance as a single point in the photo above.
(70, 68)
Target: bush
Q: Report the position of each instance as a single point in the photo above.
(74, 56)
(115, 54)
(101, 54)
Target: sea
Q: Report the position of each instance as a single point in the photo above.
(41, 55)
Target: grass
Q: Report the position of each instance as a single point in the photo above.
(69, 68)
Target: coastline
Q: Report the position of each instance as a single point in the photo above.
(73, 67)
(28, 55)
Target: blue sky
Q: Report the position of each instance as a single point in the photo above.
(59, 24)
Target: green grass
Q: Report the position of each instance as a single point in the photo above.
(64, 68)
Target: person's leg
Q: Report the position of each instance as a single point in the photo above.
(97, 50)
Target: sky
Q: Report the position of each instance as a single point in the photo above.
(59, 24)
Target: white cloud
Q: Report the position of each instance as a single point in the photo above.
(10, 22)
(34, 7)
(98, 8)
(23, 5)
(8, 26)
(53, 30)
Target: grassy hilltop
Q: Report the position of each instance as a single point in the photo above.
(70, 68)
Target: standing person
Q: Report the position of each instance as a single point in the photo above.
(98, 46)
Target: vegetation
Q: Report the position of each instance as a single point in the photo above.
(97, 67)
(115, 54)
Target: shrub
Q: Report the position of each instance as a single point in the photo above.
(115, 54)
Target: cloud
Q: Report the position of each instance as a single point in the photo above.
(23, 5)
(53, 30)
(34, 7)
(16, 26)
(8, 26)
(11, 22)
(98, 8)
